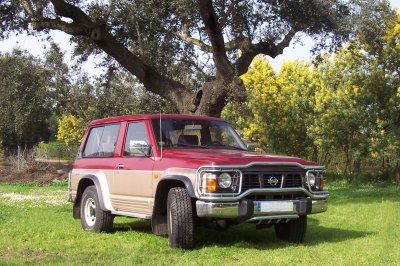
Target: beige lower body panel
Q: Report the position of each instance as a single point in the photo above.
(140, 205)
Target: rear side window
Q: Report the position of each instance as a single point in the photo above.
(101, 141)
(137, 142)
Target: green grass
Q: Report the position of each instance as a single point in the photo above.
(361, 226)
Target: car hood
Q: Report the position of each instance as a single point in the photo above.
(231, 157)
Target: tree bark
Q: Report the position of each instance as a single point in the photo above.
(213, 96)
(357, 165)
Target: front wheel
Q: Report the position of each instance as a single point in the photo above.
(293, 231)
(92, 217)
(179, 219)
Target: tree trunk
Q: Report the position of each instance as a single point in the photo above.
(212, 97)
(398, 174)
(357, 165)
(348, 170)
(315, 154)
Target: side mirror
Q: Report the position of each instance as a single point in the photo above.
(139, 149)
(251, 146)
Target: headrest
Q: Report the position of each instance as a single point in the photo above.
(188, 139)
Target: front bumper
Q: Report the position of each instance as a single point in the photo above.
(249, 210)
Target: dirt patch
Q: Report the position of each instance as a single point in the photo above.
(39, 172)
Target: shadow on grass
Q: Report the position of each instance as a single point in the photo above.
(137, 225)
(246, 236)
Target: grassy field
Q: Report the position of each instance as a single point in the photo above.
(362, 226)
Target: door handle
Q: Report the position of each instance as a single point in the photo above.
(120, 166)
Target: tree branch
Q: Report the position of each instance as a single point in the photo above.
(263, 47)
(57, 24)
(151, 78)
(28, 8)
(214, 32)
(239, 43)
(65, 9)
(228, 12)
(109, 9)
(148, 75)
(186, 38)
(197, 67)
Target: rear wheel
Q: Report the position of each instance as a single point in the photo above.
(92, 217)
(293, 231)
(179, 219)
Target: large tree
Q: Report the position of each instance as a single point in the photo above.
(192, 53)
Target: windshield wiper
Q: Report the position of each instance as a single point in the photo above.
(226, 146)
(182, 145)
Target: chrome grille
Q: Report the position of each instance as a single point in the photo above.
(293, 180)
(260, 179)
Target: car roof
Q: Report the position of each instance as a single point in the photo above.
(134, 117)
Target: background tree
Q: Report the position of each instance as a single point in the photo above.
(279, 107)
(70, 129)
(112, 94)
(192, 53)
(343, 113)
(24, 101)
(61, 79)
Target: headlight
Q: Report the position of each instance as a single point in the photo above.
(220, 181)
(315, 180)
(224, 180)
(311, 179)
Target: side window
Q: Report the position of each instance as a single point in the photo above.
(101, 141)
(137, 141)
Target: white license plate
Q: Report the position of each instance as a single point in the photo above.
(275, 206)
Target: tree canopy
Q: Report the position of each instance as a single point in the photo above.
(192, 53)
(24, 105)
(343, 113)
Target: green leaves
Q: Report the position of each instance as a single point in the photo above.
(24, 101)
(344, 113)
(279, 107)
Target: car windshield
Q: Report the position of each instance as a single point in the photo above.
(196, 133)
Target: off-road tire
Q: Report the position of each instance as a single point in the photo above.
(179, 219)
(103, 219)
(293, 231)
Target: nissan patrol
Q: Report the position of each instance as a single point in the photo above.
(182, 171)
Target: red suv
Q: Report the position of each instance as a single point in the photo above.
(183, 171)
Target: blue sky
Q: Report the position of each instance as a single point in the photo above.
(36, 46)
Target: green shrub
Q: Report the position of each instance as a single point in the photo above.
(57, 150)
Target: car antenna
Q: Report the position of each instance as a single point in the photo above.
(161, 140)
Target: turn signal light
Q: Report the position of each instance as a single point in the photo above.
(211, 185)
(321, 184)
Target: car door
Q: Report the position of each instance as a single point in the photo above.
(97, 156)
(132, 186)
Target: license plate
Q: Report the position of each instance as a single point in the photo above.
(275, 206)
